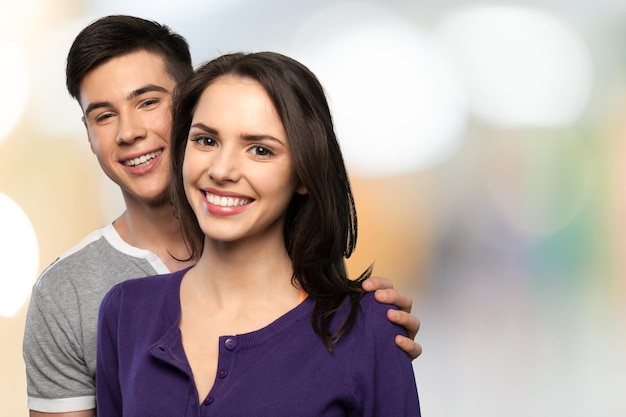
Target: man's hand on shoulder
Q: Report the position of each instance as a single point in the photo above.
(386, 294)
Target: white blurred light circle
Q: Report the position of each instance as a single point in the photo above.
(14, 72)
(524, 67)
(398, 104)
(19, 256)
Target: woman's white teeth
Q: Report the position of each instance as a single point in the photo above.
(226, 201)
(142, 160)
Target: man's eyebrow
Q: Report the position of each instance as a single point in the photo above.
(147, 89)
(93, 106)
(133, 94)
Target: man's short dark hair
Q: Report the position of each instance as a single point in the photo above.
(118, 35)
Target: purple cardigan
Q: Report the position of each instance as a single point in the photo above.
(283, 369)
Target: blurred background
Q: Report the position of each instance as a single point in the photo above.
(485, 141)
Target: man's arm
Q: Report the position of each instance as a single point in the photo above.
(85, 413)
(386, 294)
(58, 378)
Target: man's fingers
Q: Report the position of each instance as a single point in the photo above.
(406, 320)
(386, 294)
(395, 297)
(376, 283)
(409, 346)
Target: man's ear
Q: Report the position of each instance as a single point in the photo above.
(87, 131)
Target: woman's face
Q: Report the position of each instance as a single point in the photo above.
(238, 171)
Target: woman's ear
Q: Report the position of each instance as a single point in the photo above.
(301, 189)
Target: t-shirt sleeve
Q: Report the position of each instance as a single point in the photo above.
(384, 372)
(109, 397)
(58, 379)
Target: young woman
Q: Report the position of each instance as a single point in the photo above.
(267, 323)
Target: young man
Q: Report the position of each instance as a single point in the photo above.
(122, 71)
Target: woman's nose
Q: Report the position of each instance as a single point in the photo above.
(224, 165)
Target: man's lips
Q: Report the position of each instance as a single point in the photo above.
(142, 160)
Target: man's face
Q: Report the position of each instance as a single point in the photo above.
(126, 105)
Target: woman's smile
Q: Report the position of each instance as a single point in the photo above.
(226, 201)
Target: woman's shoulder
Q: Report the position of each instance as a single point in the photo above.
(136, 290)
(153, 282)
(370, 304)
(144, 286)
(373, 315)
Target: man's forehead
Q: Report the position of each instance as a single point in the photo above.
(126, 73)
(125, 78)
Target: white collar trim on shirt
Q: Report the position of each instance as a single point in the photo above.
(116, 241)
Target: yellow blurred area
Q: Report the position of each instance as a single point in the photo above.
(395, 230)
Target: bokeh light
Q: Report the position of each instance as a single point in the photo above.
(524, 67)
(504, 222)
(19, 256)
(399, 105)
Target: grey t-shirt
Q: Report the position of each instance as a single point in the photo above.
(59, 344)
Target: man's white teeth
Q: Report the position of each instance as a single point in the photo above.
(142, 160)
(226, 201)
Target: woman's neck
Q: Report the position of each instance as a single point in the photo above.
(245, 272)
(246, 265)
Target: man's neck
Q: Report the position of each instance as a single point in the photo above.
(154, 228)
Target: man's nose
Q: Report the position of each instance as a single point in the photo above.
(131, 128)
